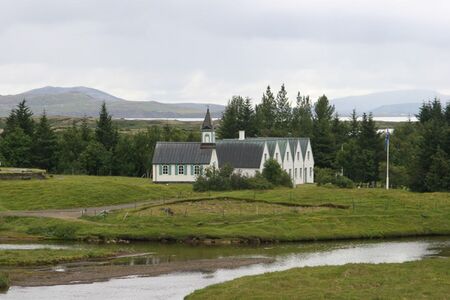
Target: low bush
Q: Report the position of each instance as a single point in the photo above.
(259, 182)
(275, 174)
(325, 176)
(225, 179)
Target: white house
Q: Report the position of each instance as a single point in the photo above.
(183, 162)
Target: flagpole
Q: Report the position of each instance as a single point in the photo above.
(387, 160)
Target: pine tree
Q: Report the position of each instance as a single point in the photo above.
(283, 111)
(266, 113)
(323, 141)
(371, 144)
(354, 125)
(302, 120)
(229, 123)
(44, 145)
(105, 132)
(246, 117)
(437, 178)
(24, 118)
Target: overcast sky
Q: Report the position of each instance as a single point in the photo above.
(207, 51)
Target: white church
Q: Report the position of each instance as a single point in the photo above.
(184, 161)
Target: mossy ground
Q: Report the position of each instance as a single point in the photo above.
(426, 279)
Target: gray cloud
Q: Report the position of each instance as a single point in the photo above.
(200, 50)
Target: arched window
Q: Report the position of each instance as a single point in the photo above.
(207, 139)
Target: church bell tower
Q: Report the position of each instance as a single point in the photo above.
(208, 134)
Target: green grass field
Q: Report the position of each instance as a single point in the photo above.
(426, 279)
(273, 215)
(64, 191)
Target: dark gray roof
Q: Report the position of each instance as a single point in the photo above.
(207, 123)
(181, 153)
(240, 154)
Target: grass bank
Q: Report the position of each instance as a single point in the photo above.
(40, 257)
(426, 279)
(64, 191)
(4, 282)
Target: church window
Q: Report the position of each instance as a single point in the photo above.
(276, 156)
(196, 170)
(295, 172)
(308, 155)
(207, 139)
(265, 157)
(165, 170)
(287, 156)
(180, 170)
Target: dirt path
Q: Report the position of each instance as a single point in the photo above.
(89, 274)
(74, 213)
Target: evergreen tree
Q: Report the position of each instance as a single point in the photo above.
(354, 125)
(246, 118)
(24, 118)
(85, 131)
(266, 113)
(71, 146)
(302, 119)
(95, 159)
(283, 113)
(105, 132)
(437, 178)
(372, 146)
(231, 122)
(44, 145)
(15, 148)
(323, 141)
(433, 130)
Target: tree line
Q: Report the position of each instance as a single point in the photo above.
(80, 149)
(354, 148)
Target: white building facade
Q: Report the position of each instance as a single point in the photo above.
(183, 162)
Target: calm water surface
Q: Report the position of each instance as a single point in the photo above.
(178, 285)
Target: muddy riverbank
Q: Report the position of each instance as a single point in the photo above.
(98, 273)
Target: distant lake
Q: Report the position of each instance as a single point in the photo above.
(169, 119)
(384, 119)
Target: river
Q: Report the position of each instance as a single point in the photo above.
(178, 285)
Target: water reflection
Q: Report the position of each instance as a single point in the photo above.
(177, 285)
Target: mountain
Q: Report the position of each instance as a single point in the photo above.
(79, 101)
(391, 103)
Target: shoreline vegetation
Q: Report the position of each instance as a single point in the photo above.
(422, 279)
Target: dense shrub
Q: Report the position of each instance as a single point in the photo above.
(213, 180)
(224, 179)
(275, 174)
(325, 176)
(259, 182)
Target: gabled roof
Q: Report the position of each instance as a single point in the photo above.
(207, 123)
(272, 141)
(304, 145)
(181, 153)
(293, 145)
(240, 154)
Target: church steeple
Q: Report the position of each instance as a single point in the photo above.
(208, 134)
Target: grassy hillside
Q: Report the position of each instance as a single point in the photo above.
(83, 191)
(305, 213)
(427, 279)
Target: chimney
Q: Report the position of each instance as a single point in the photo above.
(241, 135)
